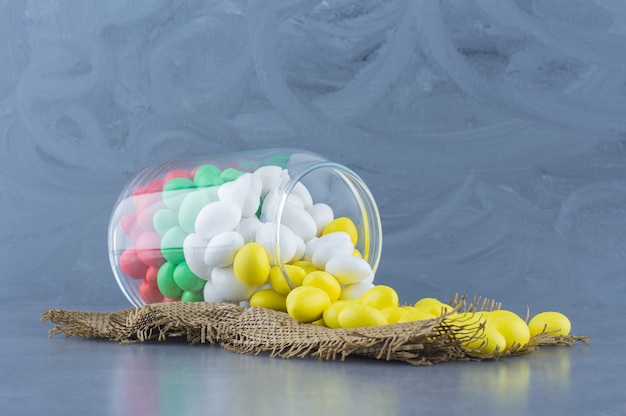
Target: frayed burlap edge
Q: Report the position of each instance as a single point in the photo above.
(256, 330)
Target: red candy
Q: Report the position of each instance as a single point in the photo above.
(148, 247)
(144, 196)
(170, 300)
(151, 275)
(127, 221)
(131, 265)
(150, 293)
(177, 173)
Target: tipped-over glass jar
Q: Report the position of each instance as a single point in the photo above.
(223, 228)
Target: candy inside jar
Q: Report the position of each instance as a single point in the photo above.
(244, 228)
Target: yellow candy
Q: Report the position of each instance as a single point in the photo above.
(251, 265)
(491, 340)
(344, 224)
(324, 281)
(355, 315)
(307, 303)
(380, 297)
(549, 321)
(434, 306)
(393, 313)
(416, 315)
(357, 253)
(268, 298)
(511, 326)
(331, 314)
(306, 265)
(277, 279)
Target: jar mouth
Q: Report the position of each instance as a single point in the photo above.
(369, 224)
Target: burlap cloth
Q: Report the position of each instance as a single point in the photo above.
(256, 330)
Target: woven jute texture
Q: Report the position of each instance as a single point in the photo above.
(256, 330)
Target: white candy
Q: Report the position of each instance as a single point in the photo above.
(300, 249)
(253, 198)
(310, 247)
(235, 191)
(210, 294)
(299, 221)
(248, 227)
(266, 236)
(322, 214)
(354, 291)
(348, 269)
(270, 177)
(194, 247)
(217, 217)
(329, 248)
(228, 286)
(222, 248)
(303, 194)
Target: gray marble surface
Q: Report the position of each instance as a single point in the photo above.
(492, 134)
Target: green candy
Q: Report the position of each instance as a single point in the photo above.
(175, 190)
(186, 279)
(192, 296)
(230, 174)
(172, 245)
(166, 283)
(279, 160)
(191, 206)
(207, 175)
(164, 219)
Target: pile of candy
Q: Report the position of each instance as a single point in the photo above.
(197, 235)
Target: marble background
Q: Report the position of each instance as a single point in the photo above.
(492, 133)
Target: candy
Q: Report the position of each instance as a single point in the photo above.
(511, 326)
(357, 315)
(207, 175)
(270, 178)
(345, 225)
(324, 281)
(230, 287)
(553, 323)
(380, 297)
(248, 228)
(186, 279)
(266, 237)
(164, 219)
(433, 306)
(175, 190)
(131, 264)
(210, 294)
(277, 278)
(177, 173)
(331, 314)
(307, 303)
(327, 249)
(393, 313)
(303, 194)
(217, 217)
(194, 248)
(251, 265)
(192, 296)
(415, 315)
(191, 206)
(299, 221)
(490, 342)
(172, 245)
(166, 283)
(348, 269)
(222, 248)
(322, 214)
(149, 292)
(268, 298)
(355, 290)
(148, 247)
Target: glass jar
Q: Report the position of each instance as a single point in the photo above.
(177, 225)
